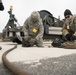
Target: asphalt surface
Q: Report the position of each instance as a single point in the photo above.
(40, 61)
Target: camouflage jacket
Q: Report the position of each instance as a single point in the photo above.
(34, 29)
(69, 26)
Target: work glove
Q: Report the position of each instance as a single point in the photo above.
(25, 43)
(68, 36)
(32, 41)
(73, 38)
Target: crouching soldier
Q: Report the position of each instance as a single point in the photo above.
(69, 30)
(33, 31)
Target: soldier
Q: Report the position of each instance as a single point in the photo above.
(1, 6)
(33, 31)
(69, 28)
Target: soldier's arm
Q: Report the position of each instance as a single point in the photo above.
(64, 27)
(73, 25)
(64, 30)
(25, 28)
(1, 6)
(41, 31)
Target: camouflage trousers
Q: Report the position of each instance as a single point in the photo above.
(32, 40)
(69, 44)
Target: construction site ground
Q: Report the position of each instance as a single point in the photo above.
(47, 60)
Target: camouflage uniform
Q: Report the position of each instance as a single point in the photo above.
(69, 27)
(33, 29)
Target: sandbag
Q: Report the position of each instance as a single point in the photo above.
(69, 44)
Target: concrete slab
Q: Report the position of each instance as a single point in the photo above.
(32, 54)
(40, 61)
(5, 46)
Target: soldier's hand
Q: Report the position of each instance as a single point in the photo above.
(68, 36)
(32, 41)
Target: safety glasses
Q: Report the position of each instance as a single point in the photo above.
(67, 16)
